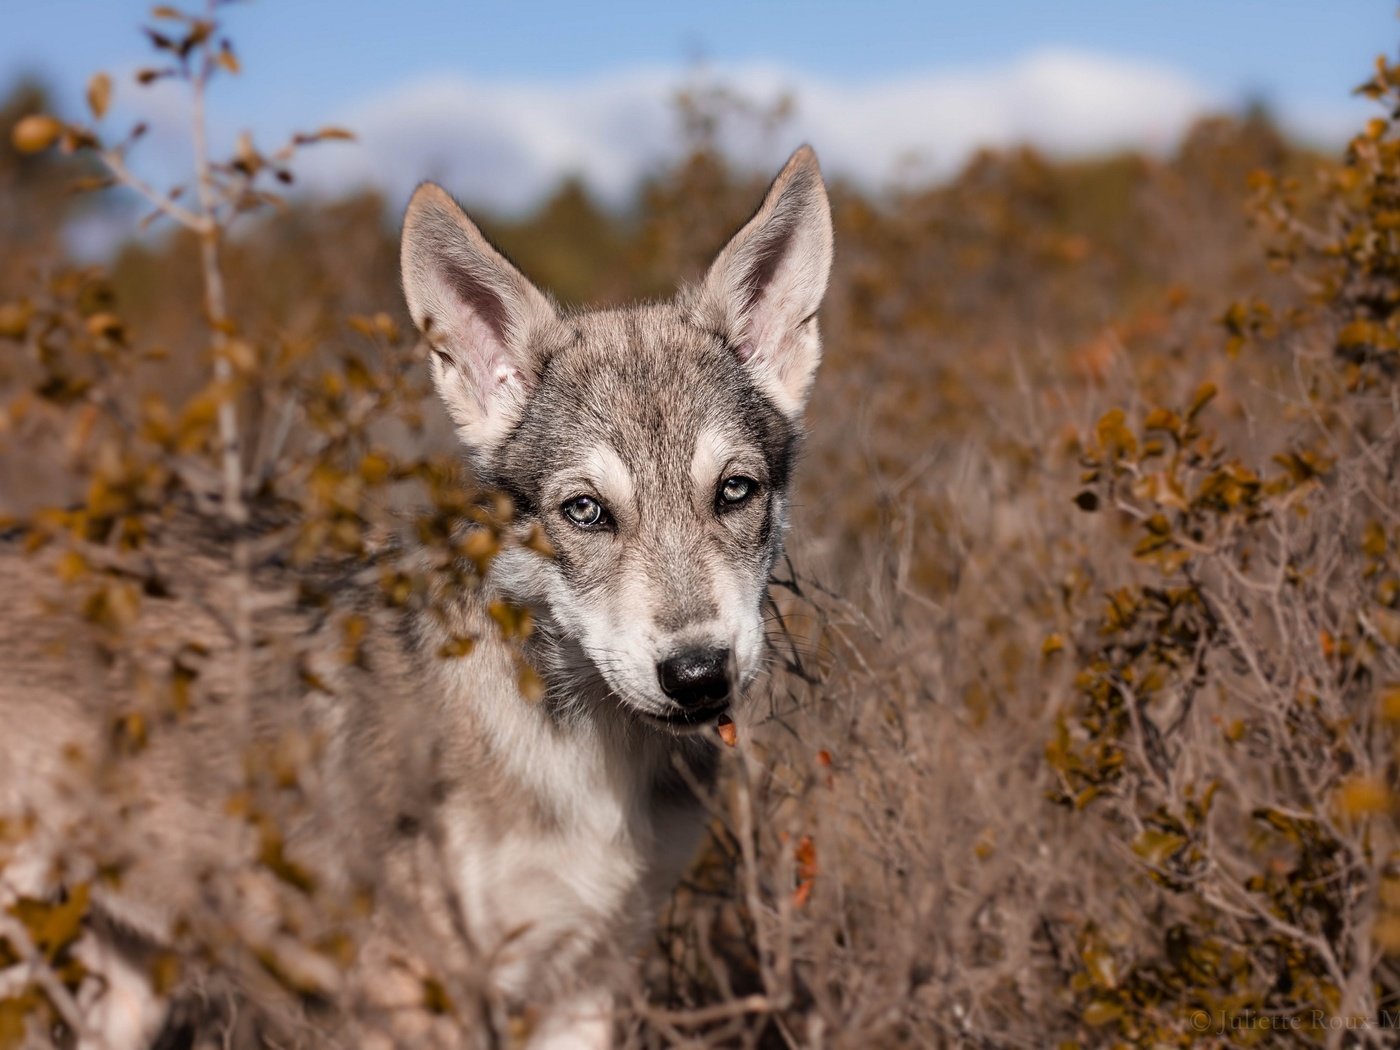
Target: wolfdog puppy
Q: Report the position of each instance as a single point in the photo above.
(652, 447)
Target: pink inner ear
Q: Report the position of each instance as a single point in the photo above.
(744, 350)
(479, 353)
(764, 329)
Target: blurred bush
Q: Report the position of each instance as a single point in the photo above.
(1081, 728)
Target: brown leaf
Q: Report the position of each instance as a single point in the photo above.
(75, 138)
(457, 647)
(435, 997)
(805, 853)
(249, 160)
(531, 685)
(1361, 796)
(200, 31)
(1205, 393)
(160, 41)
(36, 132)
(323, 135)
(53, 927)
(14, 319)
(88, 183)
(728, 731)
(99, 94)
(15, 1013)
(108, 325)
(227, 59)
(802, 894)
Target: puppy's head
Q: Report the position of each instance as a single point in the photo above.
(653, 445)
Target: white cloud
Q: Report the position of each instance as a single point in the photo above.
(504, 143)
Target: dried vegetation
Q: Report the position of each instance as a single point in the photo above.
(1081, 727)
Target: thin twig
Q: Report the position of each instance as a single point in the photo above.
(117, 166)
(215, 305)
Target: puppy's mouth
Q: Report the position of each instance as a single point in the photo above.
(683, 720)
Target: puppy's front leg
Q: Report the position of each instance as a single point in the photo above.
(120, 1008)
(580, 1022)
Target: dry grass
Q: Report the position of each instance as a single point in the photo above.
(1081, 722)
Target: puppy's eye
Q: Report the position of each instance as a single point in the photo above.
(736, 491)
(585, 512)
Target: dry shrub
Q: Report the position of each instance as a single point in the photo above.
(1080, 725)
(236, 535)
(1236, 726)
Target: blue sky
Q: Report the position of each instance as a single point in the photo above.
(504, 97)
(1308, 50)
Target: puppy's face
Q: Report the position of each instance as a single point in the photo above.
(652, 445)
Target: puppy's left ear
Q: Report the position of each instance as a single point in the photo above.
(763, 289)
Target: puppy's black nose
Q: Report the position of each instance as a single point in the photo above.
(695, 677)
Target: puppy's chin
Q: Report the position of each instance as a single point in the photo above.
(687, 723)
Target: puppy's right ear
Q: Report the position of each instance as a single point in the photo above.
(479, 314)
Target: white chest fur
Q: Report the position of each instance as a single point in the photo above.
(560, 860)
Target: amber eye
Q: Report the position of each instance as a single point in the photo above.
(736, 491)
(585, 512)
